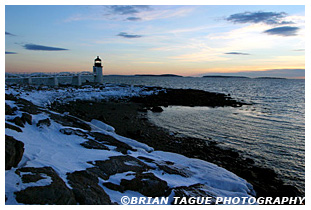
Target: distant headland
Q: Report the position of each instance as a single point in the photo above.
(206, 76)
(222, 76)
(157, 75)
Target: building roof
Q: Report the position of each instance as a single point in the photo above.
(97, 59)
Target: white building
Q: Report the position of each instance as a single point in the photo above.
(54, 79)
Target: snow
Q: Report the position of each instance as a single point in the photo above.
(116, 179)
(47, 146)
(98, 126)
(48, 95)
(102, 126)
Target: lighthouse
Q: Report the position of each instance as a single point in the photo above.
(98, 70)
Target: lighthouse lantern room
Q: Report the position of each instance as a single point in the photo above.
(98, 70)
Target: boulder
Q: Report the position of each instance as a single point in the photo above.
(9, 110)
(28, 107)
(18, 121)
(92, 144)
(86, 189)
(26, 118)
(70, 131)
(156, 109)
(13, 127)
(114, 187)
(10, 97)
(109, 140)
(120, 164)
(28, 178)
(67, 120)
(55, 193)
(14, 151)
(45, 122)
(147, 184)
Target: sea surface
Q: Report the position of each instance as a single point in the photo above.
(271, 130)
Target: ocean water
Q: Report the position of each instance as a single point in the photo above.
(271, 130)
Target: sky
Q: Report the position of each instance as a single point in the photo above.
(190, 40)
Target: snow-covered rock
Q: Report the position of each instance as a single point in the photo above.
(98, 166)
(101, 126)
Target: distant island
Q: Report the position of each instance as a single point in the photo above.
(175, 75)
(269, 78)
(157, 75)
(144, 75)
(221, 76)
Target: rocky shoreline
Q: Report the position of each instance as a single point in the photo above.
(75, 158)
(129, 118)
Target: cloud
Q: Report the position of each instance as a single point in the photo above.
(133, 18)
(283, 31)
(41, 47)
(10, 53)
(131, 12)
(128, 9)
(7, 33)
(129, 36)
(270, 18)
(236, 53)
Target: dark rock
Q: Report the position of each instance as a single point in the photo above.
(27, 178)
(146, 159)
(86, 189)
(289, 191)
(26, 118)
(232, 154)
(102, 118)
(70, 121)
(120, 164)
(8, 110)
(169, 162)
(147, 184)
(134, 134)
(10, 97)
(45, 122)
(156, 109)
(13, 127)
(212, 143)
(96, 171)
(267, 173)
(187, 97)
(171, 169)
(121, 146)
(18, 121)
(196, 190)
(142, 109)
(250, 161)
(14, 151)
(114, 187)
(55, 193)
(67, 131)
(28, 107)
(91, 144)
(70, 131)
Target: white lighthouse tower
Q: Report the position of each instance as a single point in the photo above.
(98, 70)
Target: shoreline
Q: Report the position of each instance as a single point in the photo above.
(129, 118)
